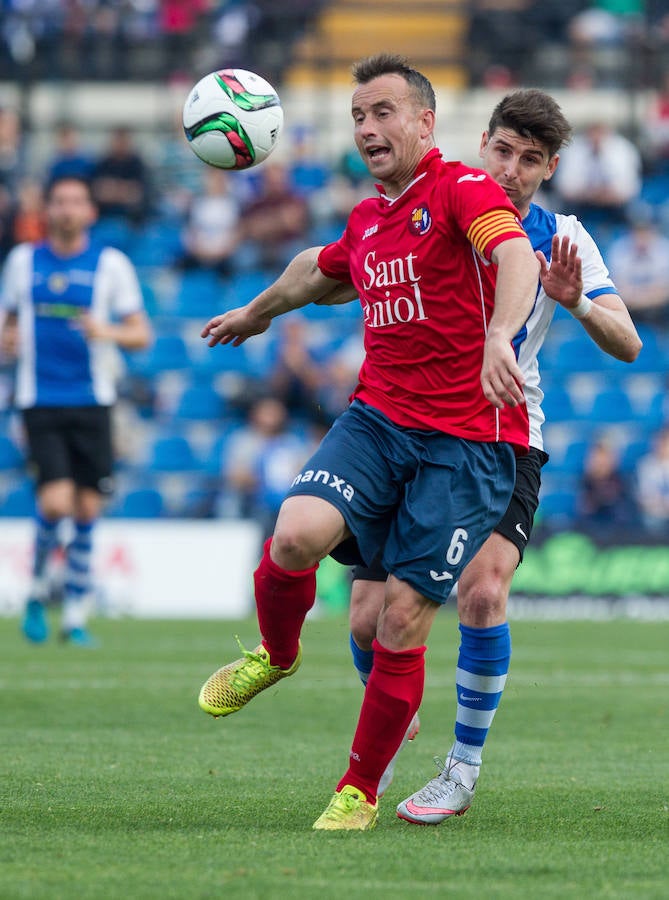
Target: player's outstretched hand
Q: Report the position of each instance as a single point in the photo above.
(562, 279)
(501, 377)
(234, 326)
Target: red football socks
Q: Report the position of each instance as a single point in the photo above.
(283, 600)
(392, 697)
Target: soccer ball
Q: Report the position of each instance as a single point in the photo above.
(232, 119)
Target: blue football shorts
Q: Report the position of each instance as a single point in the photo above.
(515, 525)
(428, 500)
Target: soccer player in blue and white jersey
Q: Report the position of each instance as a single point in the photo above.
(69, 304)
(520, 151)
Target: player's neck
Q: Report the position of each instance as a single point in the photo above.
(68, 245)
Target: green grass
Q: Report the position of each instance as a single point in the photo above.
(114, 784)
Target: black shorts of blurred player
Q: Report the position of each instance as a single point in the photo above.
(71, 443)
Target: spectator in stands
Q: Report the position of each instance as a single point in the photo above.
(27, 220)
(69, 157)
(599, 38)
(296, 372)
(260, 463)
(309, 173)
(348, 184)
(497, 38)
(276, 223)
(599, 175)
(176, 177)
(120, 180)
(6, 211)
(639, 264)
(653, 486)
(339, 378)
(179, 23)
(605, 505)
(12, 150)
(235, 23)
(655, 130)
(211, 233)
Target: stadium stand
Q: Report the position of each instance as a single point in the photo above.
(191, 398)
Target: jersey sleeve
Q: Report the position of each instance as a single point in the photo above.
(15, 278)
(126, 293)
(333, 260)
(483, 211)
(596, 278)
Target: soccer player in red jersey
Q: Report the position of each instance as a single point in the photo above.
(421, 465)
(520, 150)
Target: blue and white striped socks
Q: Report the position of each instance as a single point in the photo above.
(483, 664)
(46, 533)
(78, 580)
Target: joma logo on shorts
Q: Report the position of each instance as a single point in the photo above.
(324, 477)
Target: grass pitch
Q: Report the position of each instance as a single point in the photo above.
(114, 784)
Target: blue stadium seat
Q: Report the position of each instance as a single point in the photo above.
(244, 286)
(658, 409)
(172, 454)
(200, 402)
(158, 244)
(201, 294)
(142, 503)
(611, 405)
(114, 232)
(168, 353)
(577, 354)
(653, 356)
(655, 189)
(10, 455)
(557, 405)
(633, 452)
(215, 457)
(558, 508)
(19, 502)
(571, 458)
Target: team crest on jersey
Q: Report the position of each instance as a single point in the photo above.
(57, 283)
(420, 221)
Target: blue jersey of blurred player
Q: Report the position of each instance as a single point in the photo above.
(69, 303)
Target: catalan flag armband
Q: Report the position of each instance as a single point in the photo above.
(491, 226)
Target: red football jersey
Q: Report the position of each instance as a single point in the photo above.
(421, 265)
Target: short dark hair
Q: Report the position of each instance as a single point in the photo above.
(58, 179)
(533, 114)
(394, 64)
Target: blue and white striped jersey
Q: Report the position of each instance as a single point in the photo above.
(540, 226)
(57, 366)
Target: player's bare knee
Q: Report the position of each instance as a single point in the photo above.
(56, 501)
(292, 549)
(363, 627)
(406, 617)
(482, 603)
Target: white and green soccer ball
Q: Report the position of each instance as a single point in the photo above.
(232, 119)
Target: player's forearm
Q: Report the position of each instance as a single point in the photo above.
(301, 283)
(610, 326)
(9, 335)
(516, 288)
(134, 333)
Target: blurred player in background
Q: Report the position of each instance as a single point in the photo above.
(69, 304)
(520, 151)
(421, 465)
